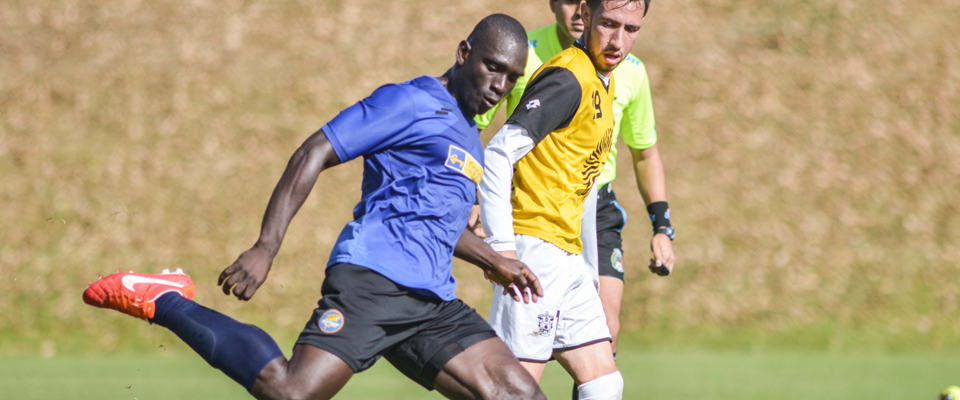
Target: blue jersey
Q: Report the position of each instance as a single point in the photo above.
(422, 161)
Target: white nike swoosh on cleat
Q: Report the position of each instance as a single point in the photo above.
(130, 280)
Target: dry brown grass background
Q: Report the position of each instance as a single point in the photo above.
(812, 152)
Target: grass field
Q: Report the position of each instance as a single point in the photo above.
(658, 375)
(812, 153)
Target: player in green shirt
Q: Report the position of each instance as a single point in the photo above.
(633, 116)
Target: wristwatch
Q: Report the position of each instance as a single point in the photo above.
(666, 230)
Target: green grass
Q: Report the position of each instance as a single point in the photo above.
(657, 375)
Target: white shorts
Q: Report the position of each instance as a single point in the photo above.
(567, 317)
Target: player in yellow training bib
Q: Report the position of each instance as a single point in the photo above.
(634, 122)
(540, 173)
(572, 149)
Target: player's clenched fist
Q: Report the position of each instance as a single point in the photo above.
(663, 257)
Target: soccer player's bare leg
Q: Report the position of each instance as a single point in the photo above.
(535, 369)
(611, 296)
(593, 371)
(486, 370)
(587, 363)
(311, 373)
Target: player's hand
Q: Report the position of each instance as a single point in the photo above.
(517, 280)
(246, 274)
(474, 222)
(663, 258)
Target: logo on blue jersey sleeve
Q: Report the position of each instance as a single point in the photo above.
(458, 159)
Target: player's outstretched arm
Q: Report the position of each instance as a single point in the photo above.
(250, 270)
(652, 183)
(512, 274)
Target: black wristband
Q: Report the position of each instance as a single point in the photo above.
(666, 231)
(659, 214)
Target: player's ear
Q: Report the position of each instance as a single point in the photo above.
(463, 51)
(585, 15)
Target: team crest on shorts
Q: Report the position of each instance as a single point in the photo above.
(545, 323)
(616, 260)
(331, 321)
(459, 160)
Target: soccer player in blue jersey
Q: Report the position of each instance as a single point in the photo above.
(388, 290)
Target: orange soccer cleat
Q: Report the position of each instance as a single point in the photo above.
(135, 294)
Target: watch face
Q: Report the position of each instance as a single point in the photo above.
(667, 230)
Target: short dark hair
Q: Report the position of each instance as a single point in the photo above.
(594, 4)
(497, 27)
